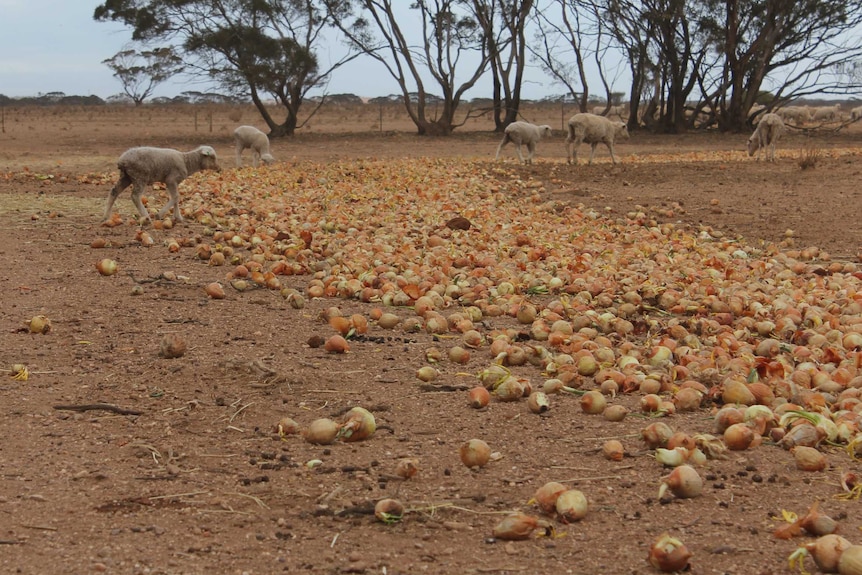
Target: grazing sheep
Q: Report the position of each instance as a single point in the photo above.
(826, 113)
(251, 137)
(796, 114)
(140, 167)
(593, 130)
(856, 113)
(768, 131)
(523, 133)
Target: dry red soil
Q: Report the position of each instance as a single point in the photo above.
(118, 459)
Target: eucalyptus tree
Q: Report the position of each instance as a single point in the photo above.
(424, 46)
(504, 24)
(792, 49)
(262, 49)
(141, 71)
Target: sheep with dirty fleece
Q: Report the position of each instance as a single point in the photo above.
(141, 167)
(593, 130)
(526, 134)
(251, 137)
(769, 129)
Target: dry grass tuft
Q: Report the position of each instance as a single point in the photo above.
(808, 155)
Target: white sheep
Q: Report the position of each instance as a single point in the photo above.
(796, 114)
(856, 113)
(251, 137)
(141, 167)
(593, 130)
(524, 133)
(768, 131)
(827, 113)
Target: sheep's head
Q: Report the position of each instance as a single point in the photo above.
(621, 131)
(546, 131)
(267, 159)
(209, 160)
(753, 144)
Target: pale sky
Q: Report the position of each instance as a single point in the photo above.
(56, 46)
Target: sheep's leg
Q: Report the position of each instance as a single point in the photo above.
(503, 142)
(239, 149)
(520, 156)
(531, 149)
(571, 152)
(124, 182)
(137, 192)
(255, 157)
(613, 157)
(173, 202)
(593, 147)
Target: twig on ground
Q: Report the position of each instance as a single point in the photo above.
(103, 406)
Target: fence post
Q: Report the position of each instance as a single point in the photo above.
(196, 118)
(381, 116)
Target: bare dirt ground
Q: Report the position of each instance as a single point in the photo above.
(191, 477)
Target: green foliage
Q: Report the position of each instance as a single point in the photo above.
(262, 49)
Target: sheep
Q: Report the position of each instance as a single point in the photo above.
(795, 114)
(251, 137)
(856, 113)
(826, 113)
(140, 167)
(593, 130)
(768, 131)
(524, 133)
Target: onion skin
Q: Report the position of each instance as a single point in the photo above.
(474, 453)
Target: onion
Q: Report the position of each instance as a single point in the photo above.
(516, 527)
(740, 436)
(214, 290)
(39, 324)
(546, 495)
(538, 402)
(407, 467)
(826, 551)
(808, 458)
(571, 506)
(172, 346)
(474, 453)
(684, 482)
(321, 432)
(478, 397)
(613, 450)
(389, 511)
(656, 434)
(615, 412)
(593, 402)
(336, 344)
(286, 426)
(357, 424)
(668, 554)
(107, 267)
